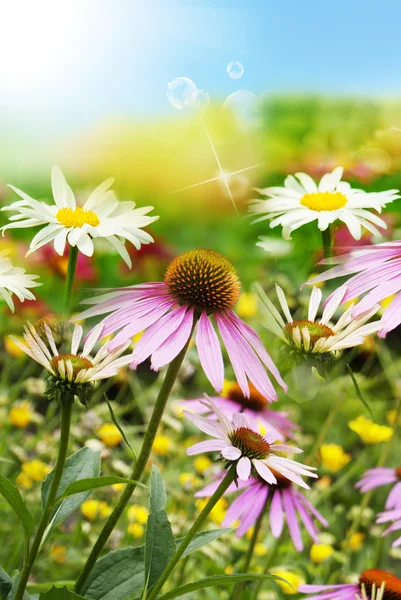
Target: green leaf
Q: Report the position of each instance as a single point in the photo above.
(359, 393)
(13, 591)
(91, 483)
(5, 584)
(117, 575)
(12, 494)
(202, 538)
(83, 464)
(60, 594)
(160, 542)
(215, 580)
(117, 424)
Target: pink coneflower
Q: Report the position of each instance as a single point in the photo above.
(391, 515)
(200, 286)
(286, 504)
(373, 584)
(374, 478)
(378, 272)
(255, 408)
(253, 453)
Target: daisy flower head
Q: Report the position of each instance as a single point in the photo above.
(14, 280)
(200, 288)
(376, 275)
(76, 371)
(255, 407)
(380, 476)
(287, 505)
(373, 584)
(302, 201)
(253, 453)
(317, 335)
(101, 216)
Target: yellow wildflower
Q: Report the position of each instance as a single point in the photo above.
(24, 481)
(333, 457)
(136, 530)
(260, 549)
(369, 432)
(218, 511)
(11, 347)
(91, 509)
(229, 570)
(35, 469)
(320, 552)
(391, 416)
(247, 305)
(118, 487)
(138, 513)
(20, 414)
(161, 445)
(202, 464)
(294, 580)
(109, 434)
(57, 553)
(356, 539)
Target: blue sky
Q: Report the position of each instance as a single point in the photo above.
(71, 64)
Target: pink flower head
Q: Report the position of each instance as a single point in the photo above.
(378, 276)
(255, 408)
(374, 478)
(253, 453)
(373, 584)
(200, 288)
(286, 504)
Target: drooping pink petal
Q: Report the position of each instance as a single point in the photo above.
(254, 510)
(209, 351)
(174, 344)
(240, 505)
(292, 520)
(234, 355)
(394, 497)
(276, 514)
(306, 519)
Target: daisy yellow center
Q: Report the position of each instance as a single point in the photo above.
(251, 443)
(324, 201)
(392, 590)
(316, 330)
(204, 279)
(255, 402)
(77, 217)
(78, 362)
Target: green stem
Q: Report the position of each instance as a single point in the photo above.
(311, 460)
(66, 409)
(238, 588)
(226, 482)
(138, 468)
(327, 243)
(69, 282)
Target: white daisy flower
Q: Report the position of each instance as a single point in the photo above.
(253, 453)
(301, 201)
(14, 280)
(101, 216)
(317, 335)
(77, 367)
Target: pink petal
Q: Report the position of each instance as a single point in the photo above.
(276, 515)
(292, 520)
(234, 355)
(174, 344)
(209, 352)
(231, 453)
(244, 468)
(158, 333)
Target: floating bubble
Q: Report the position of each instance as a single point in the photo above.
(245, 108)
(180, 92)
(235, 69)
(200, 99)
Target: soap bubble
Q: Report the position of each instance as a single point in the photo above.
(245, 108)
(235, 69)
(180, 92)
(200, 99)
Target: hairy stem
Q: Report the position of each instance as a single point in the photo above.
(69, 282)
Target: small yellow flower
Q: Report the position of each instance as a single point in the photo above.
(11, 347)
(333, 457)
(320, 552)
(118, 487)
(161, 445)
(57, 553)
(20, 414)
(249, 533)
(109, 434)
(188, 480)
(24, 481)
(138, 513)
(229, 570)
(247, 305)
(391, 416)
(294, 580)
(218, 511)
(91, 509)
(356, 539)
(35, 469)
(136, 530)
(260, 549)
(323, 483)
(202, 464)
(369, 432)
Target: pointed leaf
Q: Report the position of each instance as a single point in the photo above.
(91, 483)
(60, 594)
(117, 424)
(359, 393)
(202, 538)
(12, 494)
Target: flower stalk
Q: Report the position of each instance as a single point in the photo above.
(31, 553)
(327, 243)
(69, 282)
